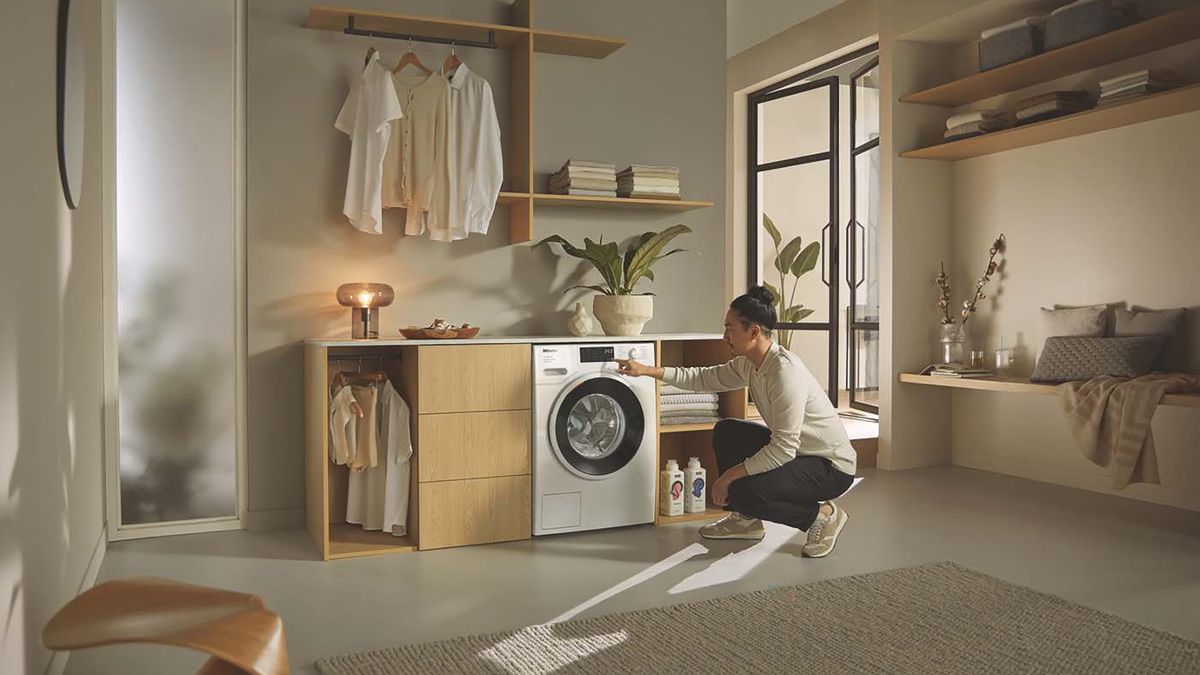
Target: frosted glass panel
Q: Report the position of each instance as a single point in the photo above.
(176, 265)
(794, 126)
(796, 198)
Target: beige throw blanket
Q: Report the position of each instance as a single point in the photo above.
(1110, 420)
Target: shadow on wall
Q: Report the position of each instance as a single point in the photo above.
(171, 423)
(531, 289)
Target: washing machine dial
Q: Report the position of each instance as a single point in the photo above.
(635, 353)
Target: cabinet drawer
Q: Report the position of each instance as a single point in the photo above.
(473, 445)
(460, 378)
(478, 511)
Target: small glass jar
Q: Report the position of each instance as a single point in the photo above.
(951, 342)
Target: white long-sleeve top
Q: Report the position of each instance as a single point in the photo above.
(793, 405)
(377, 497)
(476, 161)
(366, 117)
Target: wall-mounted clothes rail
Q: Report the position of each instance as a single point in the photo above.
(352, 30)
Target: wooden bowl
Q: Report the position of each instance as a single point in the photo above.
(413, 332)
(468, 332)
(440, 334)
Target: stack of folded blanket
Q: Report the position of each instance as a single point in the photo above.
(677, 406)
(1133, 85)
(974, 123)
(1051, 104)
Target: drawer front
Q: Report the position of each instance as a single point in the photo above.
(474, 445)
(477, 511)
(460, 378)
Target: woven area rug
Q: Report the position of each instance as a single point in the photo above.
(937, 618)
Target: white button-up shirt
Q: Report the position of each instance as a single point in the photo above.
(366, 118)
(476, 161)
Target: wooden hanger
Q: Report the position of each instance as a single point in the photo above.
(410, 58)
(451, 61)
(343, 378)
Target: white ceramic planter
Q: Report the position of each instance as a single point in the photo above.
(623, 314)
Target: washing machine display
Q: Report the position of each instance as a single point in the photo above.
(597, 426)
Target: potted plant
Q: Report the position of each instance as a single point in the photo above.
(792, 260)
(619, 309)
(953, 334)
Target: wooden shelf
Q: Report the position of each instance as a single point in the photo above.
(572, 44)
(1140, 38)
(585, 201)
(1113, 116)
(1023, 386)
(351, 541)
(681, 428)
(712, 513)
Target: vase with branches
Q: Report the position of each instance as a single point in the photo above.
(953, 329)
(792, 261)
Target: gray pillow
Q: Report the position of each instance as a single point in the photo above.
(1070, 358)
(1164, 323)
(1082, 321)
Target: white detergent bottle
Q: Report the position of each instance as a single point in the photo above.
(696, 480)
(670, 502)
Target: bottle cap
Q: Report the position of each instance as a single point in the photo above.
(672, 465)
(694, 462)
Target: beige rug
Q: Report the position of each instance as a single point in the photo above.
(937, 618)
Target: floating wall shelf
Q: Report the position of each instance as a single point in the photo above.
(1140, 38)
(1021, 386)
(1113, 116)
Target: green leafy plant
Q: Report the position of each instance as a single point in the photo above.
(622, 271)
(792, 260)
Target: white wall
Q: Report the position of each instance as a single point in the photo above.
(752, 21)
(51, 495)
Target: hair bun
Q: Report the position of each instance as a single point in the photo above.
(762, 294)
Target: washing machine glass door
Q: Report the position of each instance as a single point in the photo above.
(597, 426)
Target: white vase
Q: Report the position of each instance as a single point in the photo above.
(623, 314)
(580, 323)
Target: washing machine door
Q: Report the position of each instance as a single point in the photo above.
(597, 426)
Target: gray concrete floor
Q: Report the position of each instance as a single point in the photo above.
(1136, 560)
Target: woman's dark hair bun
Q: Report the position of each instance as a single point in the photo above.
(757, 305)
(762, 294)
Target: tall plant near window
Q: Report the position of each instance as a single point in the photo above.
(792, 260)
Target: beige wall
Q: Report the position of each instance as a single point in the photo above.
(51, 480)
(656, 100)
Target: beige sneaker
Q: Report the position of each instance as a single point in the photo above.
(823, 533)
(734, 526)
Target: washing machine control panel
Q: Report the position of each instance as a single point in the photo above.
(595, 354)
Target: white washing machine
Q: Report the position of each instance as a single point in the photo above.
(594, 438)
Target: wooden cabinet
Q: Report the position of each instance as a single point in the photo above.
(475, 511)
(461, 378)
(456, 446)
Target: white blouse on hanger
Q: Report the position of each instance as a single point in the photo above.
(377, 498)
(366, 117)
(476, 161)
(415, 165)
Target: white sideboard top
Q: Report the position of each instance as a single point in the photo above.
(509, 339)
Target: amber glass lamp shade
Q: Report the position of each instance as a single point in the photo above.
(364, 301)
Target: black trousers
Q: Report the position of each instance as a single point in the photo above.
(790, 494)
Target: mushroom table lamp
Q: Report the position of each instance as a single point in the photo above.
(364, 301)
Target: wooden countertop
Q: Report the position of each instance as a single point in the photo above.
(400, 341)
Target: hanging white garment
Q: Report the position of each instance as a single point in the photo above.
(415, 165)
(365, 493)
(476, 163)
(396, 438)
(366, 118)
(343, 423)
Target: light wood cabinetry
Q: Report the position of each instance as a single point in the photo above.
(474, 445)
(460, 378)
(475, 511)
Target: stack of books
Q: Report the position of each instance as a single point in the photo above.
(585, 177)
(1052, 104)
(648, 182)
(1133, 85)
(956, 370)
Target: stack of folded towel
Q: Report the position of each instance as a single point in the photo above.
(1133, 85)
(974, 123)
(649, 182)
(585, 177)
(678, 406)
(1051, 104)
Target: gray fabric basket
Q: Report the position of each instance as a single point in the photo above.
(1086, 21)
(1009, 46)
(1072, 358)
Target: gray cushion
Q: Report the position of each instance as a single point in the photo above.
(1081, 321)
(1070, 358)
(1165, 323)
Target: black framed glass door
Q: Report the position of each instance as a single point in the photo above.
(793, 208)
(862, 234)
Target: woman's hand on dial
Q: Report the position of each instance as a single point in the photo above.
(631, 368)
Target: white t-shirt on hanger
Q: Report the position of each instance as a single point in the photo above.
(365, 117)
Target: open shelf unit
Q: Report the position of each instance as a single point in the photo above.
(1014, 385)
(682, 428)
(1140, 38)
(1112, 116)
(710, 513)
(521, 40)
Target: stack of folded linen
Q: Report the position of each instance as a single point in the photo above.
(1133, 85)
(678, 406)
(1051, 104)
(585, 177)
(649, 182)
(974, 123)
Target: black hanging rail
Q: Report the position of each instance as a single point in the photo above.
(351, 30)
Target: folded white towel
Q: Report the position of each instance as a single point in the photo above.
(1140, 77)
(672, 389)
(688, 398)
(696, 419)
(972, 116)
(1035, 21)
(688, 407)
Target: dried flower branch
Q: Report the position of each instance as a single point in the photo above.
(969, 306)
(943, 283)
